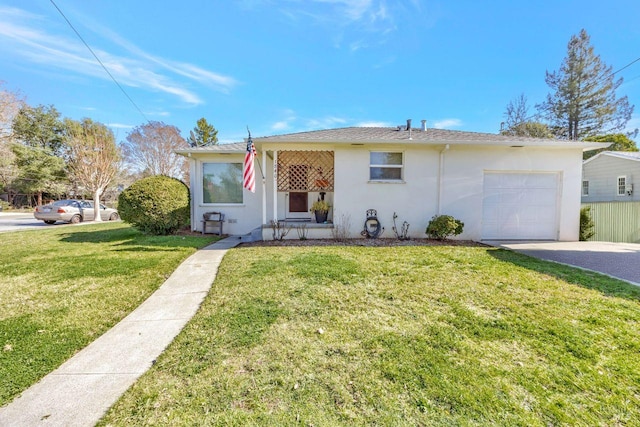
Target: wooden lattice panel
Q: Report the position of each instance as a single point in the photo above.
(305, 171)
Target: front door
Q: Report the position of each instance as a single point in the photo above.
(298, 200)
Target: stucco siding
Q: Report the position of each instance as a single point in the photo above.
(464, 171)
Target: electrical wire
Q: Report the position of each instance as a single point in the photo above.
(99, 61)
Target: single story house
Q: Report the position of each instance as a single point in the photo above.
(610, 176)
(501, 187)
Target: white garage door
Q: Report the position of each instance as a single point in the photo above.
(520, 206)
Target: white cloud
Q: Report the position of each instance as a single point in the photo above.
(325, 122)
(280, 126)
(22, 34)
(373, 124)
(447, 123)
(120, 126)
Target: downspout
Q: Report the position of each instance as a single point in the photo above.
(440, 174)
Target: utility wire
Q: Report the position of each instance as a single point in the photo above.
(99, 61)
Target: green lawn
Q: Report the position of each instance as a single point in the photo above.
(442, 335)
(62, 287)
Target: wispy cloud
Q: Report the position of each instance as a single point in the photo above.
(358, 24)
(374, 124)
(120, 126)
(24, 34)
(325, 122)
(447, 123)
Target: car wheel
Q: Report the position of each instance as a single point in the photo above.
(49, 221)
(75, 219)
(114, 217)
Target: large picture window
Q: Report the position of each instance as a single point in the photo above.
(385, 166)
(222, 182)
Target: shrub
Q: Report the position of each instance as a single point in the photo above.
(156, 205)
(442, 226)
(586, 224)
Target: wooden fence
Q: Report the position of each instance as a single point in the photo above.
(615, 221)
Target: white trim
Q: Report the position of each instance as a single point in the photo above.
(588, 184)
(624, 190)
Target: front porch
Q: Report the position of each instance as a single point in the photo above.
(300, 178)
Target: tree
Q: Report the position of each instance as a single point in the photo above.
(40, 127)
(150, 149)
(518, 123)
(39, 145)
(10, 104)
(204, 134)
(92, 157)
(38, 171)
(621, 142)
(583, 102)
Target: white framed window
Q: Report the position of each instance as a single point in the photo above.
(585, 187)
(222, 183)
(622, 185)
(386, 166)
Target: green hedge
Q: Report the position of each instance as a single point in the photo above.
(156, 205)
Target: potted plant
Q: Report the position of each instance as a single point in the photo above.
(321, 209)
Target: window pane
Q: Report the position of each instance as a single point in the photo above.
(385, 173)
(222, 182)
(385, 159)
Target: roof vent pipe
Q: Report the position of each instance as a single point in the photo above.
(424, 125)
(408, 124)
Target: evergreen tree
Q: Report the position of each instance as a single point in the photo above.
(204, 134)
(583, 102)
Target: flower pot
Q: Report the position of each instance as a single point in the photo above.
(321, 216)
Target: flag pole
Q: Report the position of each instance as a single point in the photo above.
(256, 157)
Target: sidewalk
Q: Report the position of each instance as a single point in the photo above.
(81, 390)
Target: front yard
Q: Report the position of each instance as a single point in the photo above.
(442, 335)
(61, 288)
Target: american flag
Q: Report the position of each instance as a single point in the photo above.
(249, 174)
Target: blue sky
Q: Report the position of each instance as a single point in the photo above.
(282, 66)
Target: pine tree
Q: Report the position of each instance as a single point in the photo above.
(583, 102)
(203, 134)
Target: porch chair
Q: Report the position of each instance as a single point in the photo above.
(215, 219)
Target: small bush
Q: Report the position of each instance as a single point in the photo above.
(442, 226)
(156, 205)
(586, 224)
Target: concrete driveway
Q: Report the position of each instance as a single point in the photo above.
(619, 260)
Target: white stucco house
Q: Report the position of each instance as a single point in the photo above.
(502, 188)
(611, 176)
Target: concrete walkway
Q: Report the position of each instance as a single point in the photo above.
(618, 260)
(80, 391)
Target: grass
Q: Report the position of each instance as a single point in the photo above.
(63, 287)
(443, 335)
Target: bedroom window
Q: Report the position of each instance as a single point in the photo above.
(222, 183)
(585, 187)
(386, 166)
(622, 185)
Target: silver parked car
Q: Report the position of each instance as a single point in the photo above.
(73, 211)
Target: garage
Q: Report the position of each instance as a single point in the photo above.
(520, 206)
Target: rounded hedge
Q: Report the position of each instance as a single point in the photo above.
(442, 226)
(156, 205)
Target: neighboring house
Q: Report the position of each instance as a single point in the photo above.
(501, 187)
(611, 176)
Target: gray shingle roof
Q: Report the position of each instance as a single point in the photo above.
(393, 135)
(382, 135)
(627, 155)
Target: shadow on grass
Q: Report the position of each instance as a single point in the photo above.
(576, 276)
(136, 240)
